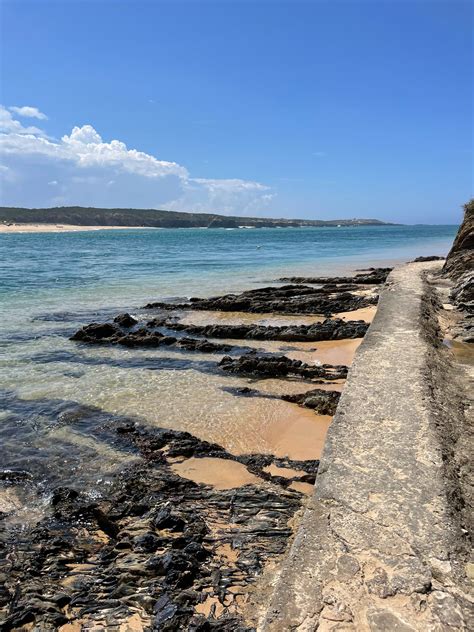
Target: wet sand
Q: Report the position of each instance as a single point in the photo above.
(300, 436)
(220, 473)
(365, 313)
(304, 488)
(324, 351)
(286, 472)
(246, 318)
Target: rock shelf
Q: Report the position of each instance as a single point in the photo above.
(330, 329)
(288, 299)
(186, 533)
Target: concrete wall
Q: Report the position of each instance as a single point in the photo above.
(382, 546)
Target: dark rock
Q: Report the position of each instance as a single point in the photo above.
(330, 329)
(164, 610)
(162, 556)
(191, 344)
(460, 267)
(232, 624)
(172, 561)
(167, 519)
(321, 401)
(14, 476)
(460, 259)
(63, 495)
(61, 599)
(143, 337)
(260, 365)
(372, 276)
(125, 320)
(430, 258)
(147, 542)
(288, 299)
(96, 332)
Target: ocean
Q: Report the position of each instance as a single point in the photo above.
(57, 395)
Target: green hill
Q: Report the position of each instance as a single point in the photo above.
(81, 216)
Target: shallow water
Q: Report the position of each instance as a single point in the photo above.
(57, 395)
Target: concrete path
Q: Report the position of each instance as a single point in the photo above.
(382, 545)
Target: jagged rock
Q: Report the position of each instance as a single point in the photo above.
(260, 365)
(430, 258)
(460, 267)
(330, 329)
(96, 332)
(323, 402)
(107, 333)
(14, 476)
(146, 548)
(288, 299)
(373, 276)
(125, 320)
(460, 259)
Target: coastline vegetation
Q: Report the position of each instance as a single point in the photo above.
(154, 218)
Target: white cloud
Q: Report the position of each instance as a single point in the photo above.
(233, 196)
(9, 125)
(28, 112)
(84, 170)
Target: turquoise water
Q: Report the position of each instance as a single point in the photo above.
(56, 395)
(123, 266)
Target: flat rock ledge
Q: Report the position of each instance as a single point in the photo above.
(382, 545)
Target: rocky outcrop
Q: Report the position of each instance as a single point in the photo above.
(107, 333)
(153, 552)
(288, 299)
(125, 320)
(371, 276)
(459, 267)
(330, 329)
(460, 259)
(322, 402)
(334, 294)
(253, 364)
(156, 550)
(426, 259)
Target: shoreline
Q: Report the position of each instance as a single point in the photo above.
(223, 501)
(63, 228)
(184, 503)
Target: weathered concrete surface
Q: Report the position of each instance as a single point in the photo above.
(382, 545)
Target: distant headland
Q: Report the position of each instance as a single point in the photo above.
(153, 218)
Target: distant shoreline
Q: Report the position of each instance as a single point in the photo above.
(157, 218)
(62, 228)
(73, 228)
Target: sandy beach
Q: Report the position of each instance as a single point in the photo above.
(60, 228)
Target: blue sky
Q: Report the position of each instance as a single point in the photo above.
(299, 109)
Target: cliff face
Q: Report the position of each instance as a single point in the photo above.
(461, 256)
(460, 267)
